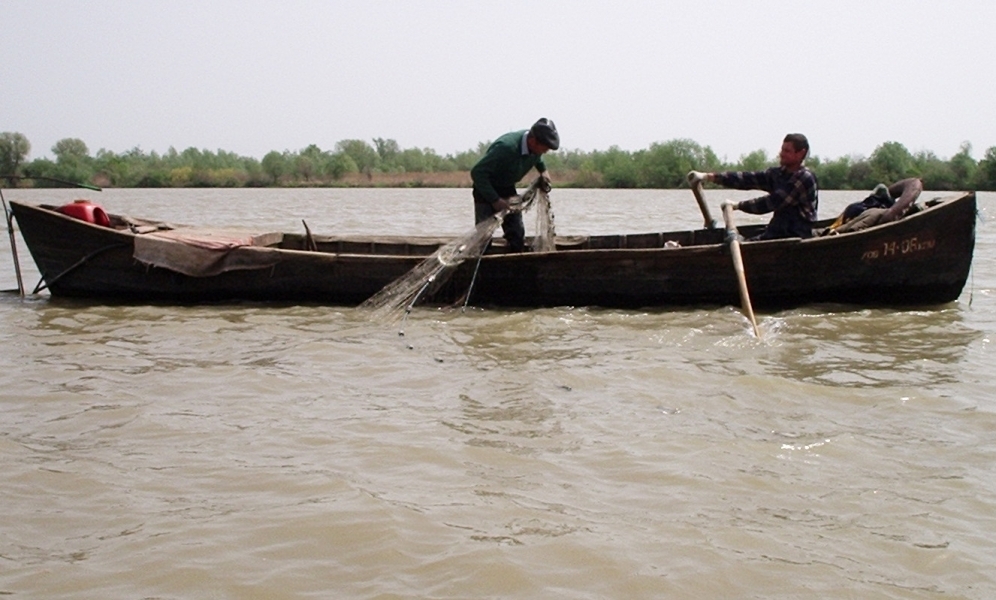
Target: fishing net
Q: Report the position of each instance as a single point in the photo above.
(397, 298)
(545, 237)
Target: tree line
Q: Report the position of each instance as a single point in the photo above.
(358, 162)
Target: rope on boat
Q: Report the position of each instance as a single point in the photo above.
(45, 282)
(470, 288)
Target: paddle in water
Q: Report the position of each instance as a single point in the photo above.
(738, 266)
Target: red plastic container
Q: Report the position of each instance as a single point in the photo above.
(85, 210)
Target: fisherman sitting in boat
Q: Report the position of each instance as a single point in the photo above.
(506, 162)
(792, 191)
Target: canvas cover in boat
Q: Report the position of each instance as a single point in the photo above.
(206, 252)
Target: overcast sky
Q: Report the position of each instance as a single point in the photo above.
(251, 76)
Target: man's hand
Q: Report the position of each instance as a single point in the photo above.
(696, 177)
(544, 181)
(512, 203)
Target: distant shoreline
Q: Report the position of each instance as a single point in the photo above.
(450, 179)
(440, 179)
(437, 179)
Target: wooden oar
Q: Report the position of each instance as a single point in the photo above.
(738, 266)
(710, 223)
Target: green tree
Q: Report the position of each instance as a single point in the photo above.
(41, 168)
(148, 170)
(617, 167)
(339, 165)
(181, 176)
(313, 152)
(964, 166)
(860, 175)
(112, 169)
(254, 175)
(275, 165)
(304, 167)
(387, 150)
(666, 165)
(309, 162)
(465, 161)
(14, 150)
(191, 157)
(72, 160)
(570, 160)
(891, 162)
(833, 174)
(588, 176)
(417, 160)
(985, 174)
(935, 173)
(661, 165)
(70, 151)
(755, 161)
(362, 153)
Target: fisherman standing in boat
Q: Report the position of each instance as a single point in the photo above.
(506, 162)
(792, 191)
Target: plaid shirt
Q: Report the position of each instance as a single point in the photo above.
(793, 197)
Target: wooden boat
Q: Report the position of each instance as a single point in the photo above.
(921, 259)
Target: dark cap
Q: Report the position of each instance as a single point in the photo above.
(545, 132)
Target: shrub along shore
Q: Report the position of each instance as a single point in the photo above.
(382, 163)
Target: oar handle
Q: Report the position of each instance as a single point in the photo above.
(710, 223)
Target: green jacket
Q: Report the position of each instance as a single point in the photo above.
(502, 166)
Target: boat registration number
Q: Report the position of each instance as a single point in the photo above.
(898, 247)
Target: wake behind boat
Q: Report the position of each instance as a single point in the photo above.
(921, 259)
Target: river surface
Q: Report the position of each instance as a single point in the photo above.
(257, 451)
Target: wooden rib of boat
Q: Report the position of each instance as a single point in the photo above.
(921, 259)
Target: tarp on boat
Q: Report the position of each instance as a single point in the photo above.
(206, 252)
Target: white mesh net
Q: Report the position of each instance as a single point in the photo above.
(399, 296)
(545, 238)
(395, 299)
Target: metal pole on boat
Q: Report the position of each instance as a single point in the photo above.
(13, 244)
(10, 216)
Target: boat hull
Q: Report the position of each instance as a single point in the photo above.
(922, 259)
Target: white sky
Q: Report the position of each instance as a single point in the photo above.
(251, 76)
